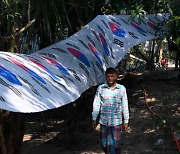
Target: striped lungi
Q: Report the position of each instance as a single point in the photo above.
(111, 139)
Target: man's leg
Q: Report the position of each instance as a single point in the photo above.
(103, 135)
(114, 140)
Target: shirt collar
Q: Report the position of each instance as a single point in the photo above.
(116, 86)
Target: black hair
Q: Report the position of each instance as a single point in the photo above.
(110, 70)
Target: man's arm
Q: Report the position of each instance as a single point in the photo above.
(125, 109)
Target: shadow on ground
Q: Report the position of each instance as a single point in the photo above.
(68, 130)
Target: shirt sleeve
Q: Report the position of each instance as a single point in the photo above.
(125, 108)
(96, 105)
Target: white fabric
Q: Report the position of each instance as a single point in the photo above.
(59, 74)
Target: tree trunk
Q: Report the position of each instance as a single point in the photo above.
(177, 61)
(173, 47)
(151, 64)
(11, 132)
(160, 54)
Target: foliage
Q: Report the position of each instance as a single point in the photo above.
(54, 18)
(11, 19)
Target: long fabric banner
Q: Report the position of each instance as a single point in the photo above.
(59, 74)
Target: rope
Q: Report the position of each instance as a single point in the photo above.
(172, 129)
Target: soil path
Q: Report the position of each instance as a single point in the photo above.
(68, 130)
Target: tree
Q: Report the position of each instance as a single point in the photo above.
(11, 124)
(54, 17)
(174, 31)
(140, 8)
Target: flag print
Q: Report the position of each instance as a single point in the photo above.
(57, 75)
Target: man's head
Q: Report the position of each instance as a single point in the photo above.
(111, 76)
(110, 70)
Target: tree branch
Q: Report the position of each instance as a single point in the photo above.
(17, 33)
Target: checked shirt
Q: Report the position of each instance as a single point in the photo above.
(111, 104)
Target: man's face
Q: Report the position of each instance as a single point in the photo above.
(111, 78)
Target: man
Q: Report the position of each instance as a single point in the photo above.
(111, 106)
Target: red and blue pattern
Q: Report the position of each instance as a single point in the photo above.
(44, 68)
(9, 76)
(117, 30)
(105, 45)
(32, 73)
(96, 53)
(79, 55)
(151, 24)
(58, 65)
(138, 28)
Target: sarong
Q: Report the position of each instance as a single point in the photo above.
(111, 139)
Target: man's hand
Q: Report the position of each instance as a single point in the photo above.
(94, 124)
(125, 127)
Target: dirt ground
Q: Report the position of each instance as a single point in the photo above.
(68, 130)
